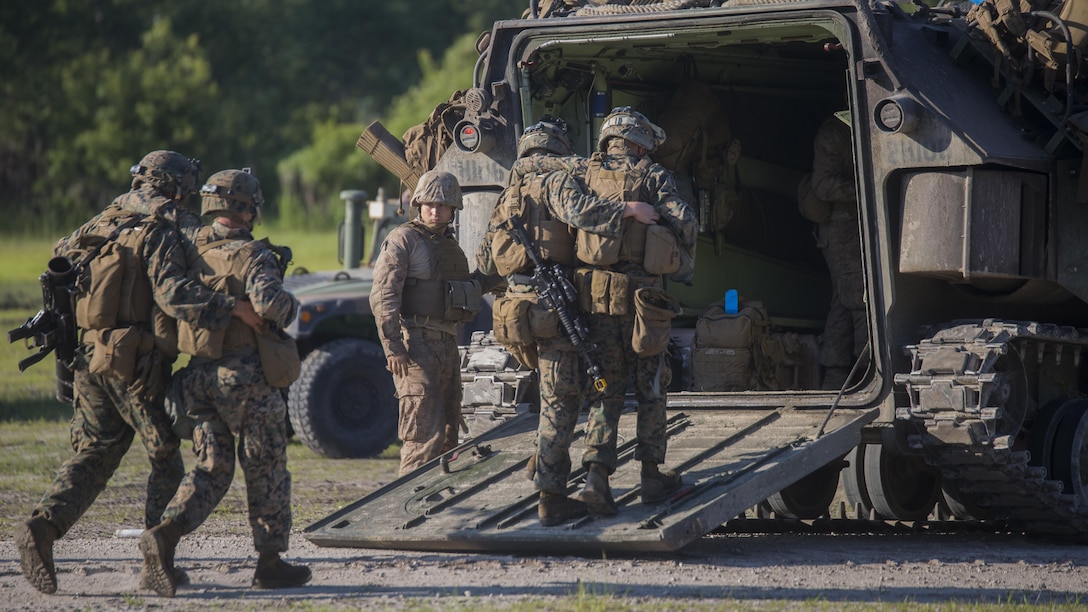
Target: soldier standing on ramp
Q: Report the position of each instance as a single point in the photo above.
(548, 205)
(615, 270)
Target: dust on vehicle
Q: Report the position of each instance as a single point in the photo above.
(970, 205)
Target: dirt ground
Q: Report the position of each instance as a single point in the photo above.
(803, 571)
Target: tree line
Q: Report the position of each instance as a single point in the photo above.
(282, 86)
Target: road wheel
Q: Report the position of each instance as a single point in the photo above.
(343, 404)
(810, 497)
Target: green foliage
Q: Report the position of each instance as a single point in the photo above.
(313, 177)
(438, 83)
(87, 88)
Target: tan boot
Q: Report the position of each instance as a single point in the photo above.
(657, 486)
(180, 579)
(158, 545)
(554, 509)
(275, 573)
(597, 494)
(34, 539)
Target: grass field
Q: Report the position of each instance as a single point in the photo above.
(34, 426)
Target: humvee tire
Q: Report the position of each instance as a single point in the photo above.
(343, 404)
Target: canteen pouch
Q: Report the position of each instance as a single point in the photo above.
(279, 358)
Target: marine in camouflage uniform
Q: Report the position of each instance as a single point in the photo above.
(113, 403)
(845, 330)
(549, 204)
(627, 137)
(420, 263)
(225, 390)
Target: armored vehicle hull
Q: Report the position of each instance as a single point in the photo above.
(969, 214)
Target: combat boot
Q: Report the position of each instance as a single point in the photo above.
(34, 539)
(657, 486)
(596, 494)
(180, 579)
(554, 508)
(275, 573)
(158, 545)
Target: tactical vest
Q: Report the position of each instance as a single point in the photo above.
(223, 271)
(553, 238)
(653, 247)
(114, 290)
(450, 293)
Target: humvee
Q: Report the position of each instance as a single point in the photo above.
(342, 405)
(971, 206)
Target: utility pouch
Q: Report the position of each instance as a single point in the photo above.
(597, 250)
(654, 312)
(97, 308)
(279, 358)
(463, 300)
(602, 292)
(662, 251)
(543, 323)
(556, 243)
(510, 321)
(509, 256)
(200, 342)
(116, 352)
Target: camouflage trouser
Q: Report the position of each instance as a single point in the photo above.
(652, 376)
(845, 330)
(430, 397)
(106, 418)
(231, 402)
(562, 392)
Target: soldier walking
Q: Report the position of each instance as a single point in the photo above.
(133, 286)
(227, 390)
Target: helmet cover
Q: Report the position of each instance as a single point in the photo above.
(232, 191)
(549, 134)
(168, 171)
(437, 187)
(631, 125)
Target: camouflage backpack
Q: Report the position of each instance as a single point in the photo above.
(425, 143)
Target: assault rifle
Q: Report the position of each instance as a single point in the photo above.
(556, 293)
(53, 328)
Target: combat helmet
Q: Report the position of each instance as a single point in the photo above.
(232, 191)
(170, 172)
(549, 134)
(629, 124)
(437, 187)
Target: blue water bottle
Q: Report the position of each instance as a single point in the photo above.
(731, 301)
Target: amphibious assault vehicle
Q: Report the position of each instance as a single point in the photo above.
(972, 202)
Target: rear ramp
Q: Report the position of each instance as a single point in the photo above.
(481, 499)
